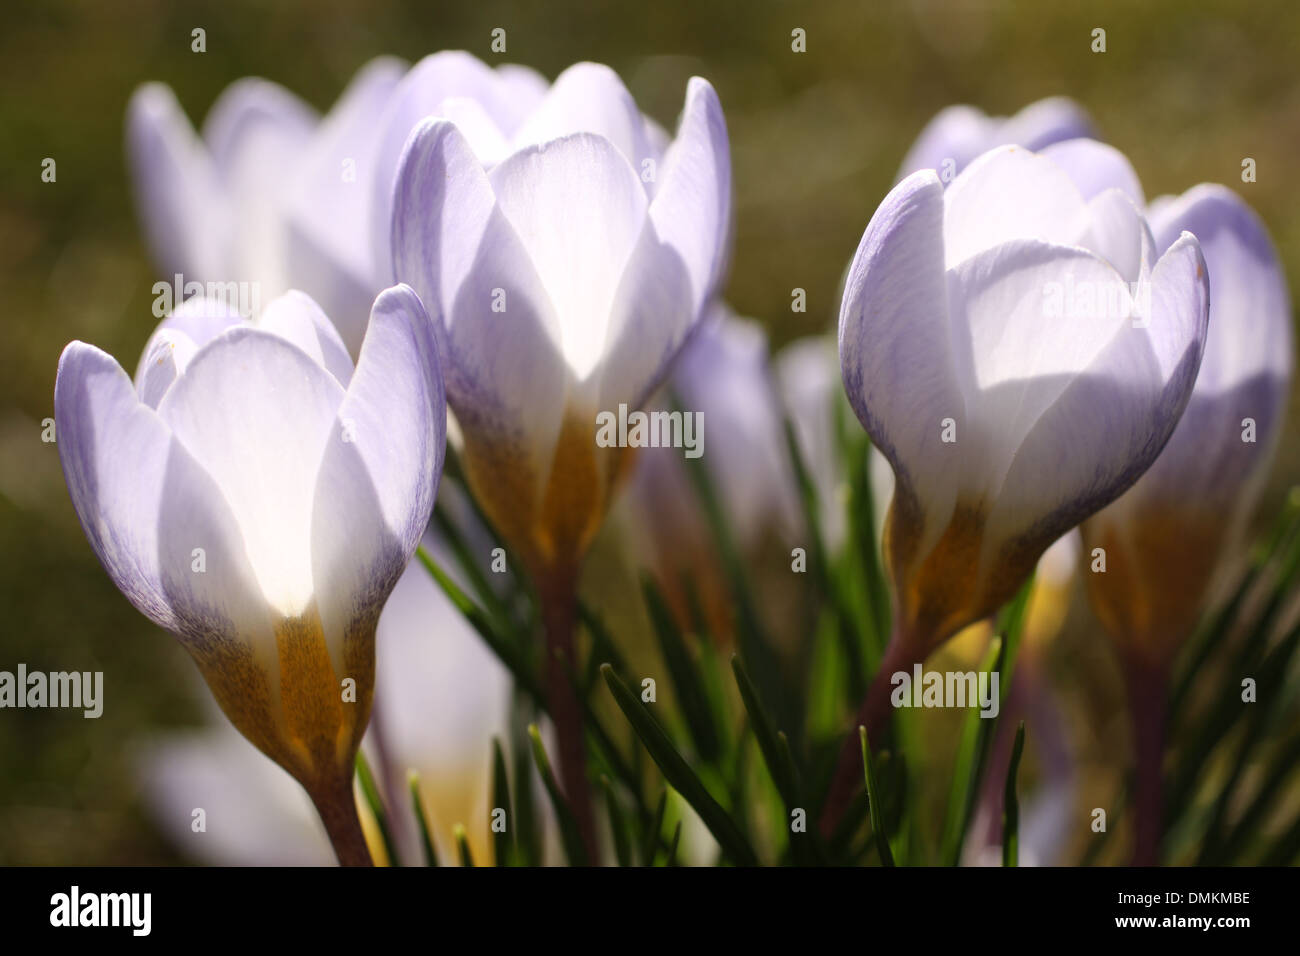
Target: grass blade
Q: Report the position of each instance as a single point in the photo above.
(678, 772)
(462, 845)
(421, 821)
(1011, 805)
(502, 844)
(569, 834)
(376, 804)
(691, 695)
(873, 795)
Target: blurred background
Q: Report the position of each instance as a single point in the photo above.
(1186, 89)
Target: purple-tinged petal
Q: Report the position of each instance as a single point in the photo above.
(896, 355)
(328, 249)
(419, 96)
(691, 210)
(504, 373)
(178, 193)
(374, 493)
(1010, 193)
(588, 98)
(1095, 167)
(296, 318)
(1111, 421)
(146, 505)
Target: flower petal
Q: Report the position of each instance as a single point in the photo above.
(1029, 318)
(691, 210)
(296, 318)
(578, 210)
(588, 98)
(895, 346)
(257, 132)
(1010, 193)
(1046, 121)
(256, 412)
(328, 250)
(178, 193)
(146, 505)
(420, 95)
(504, 374)
(380, 468)
(1247, 286)
(1095, 167)
(164, 358)
(1106, 427)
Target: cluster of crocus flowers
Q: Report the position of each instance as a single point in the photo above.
(1018, 352)
(1020, 336)
(259, 496)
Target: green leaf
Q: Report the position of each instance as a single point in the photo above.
(1275, 668)
(755, 644)
(500, 645)
(570, 836)
(1010, 805)
(527, 837)
(691, 694)
(421, 821)
(873, 795)
(1265, 798)
(654, 830)
(520, 668)
(462, 844)
(617, 823)
(603, 646)
(672, 847)
(472, 568)
(1223, 716)
(678, 773)
(765, 734)
(856, 450)
(502, 844)
(376, 804)
(972, 752)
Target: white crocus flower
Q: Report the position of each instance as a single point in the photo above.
(1014, 349)
(259, 497)
(1165, 537)
(272, 196)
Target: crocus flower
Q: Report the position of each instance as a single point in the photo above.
(440, 698)
(957, 134)
(274, 196)
(566, 278)
(1020, 357)
(1164, 539)
(259, 497)
(566, 282)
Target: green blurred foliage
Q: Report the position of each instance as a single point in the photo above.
(1185, 88)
